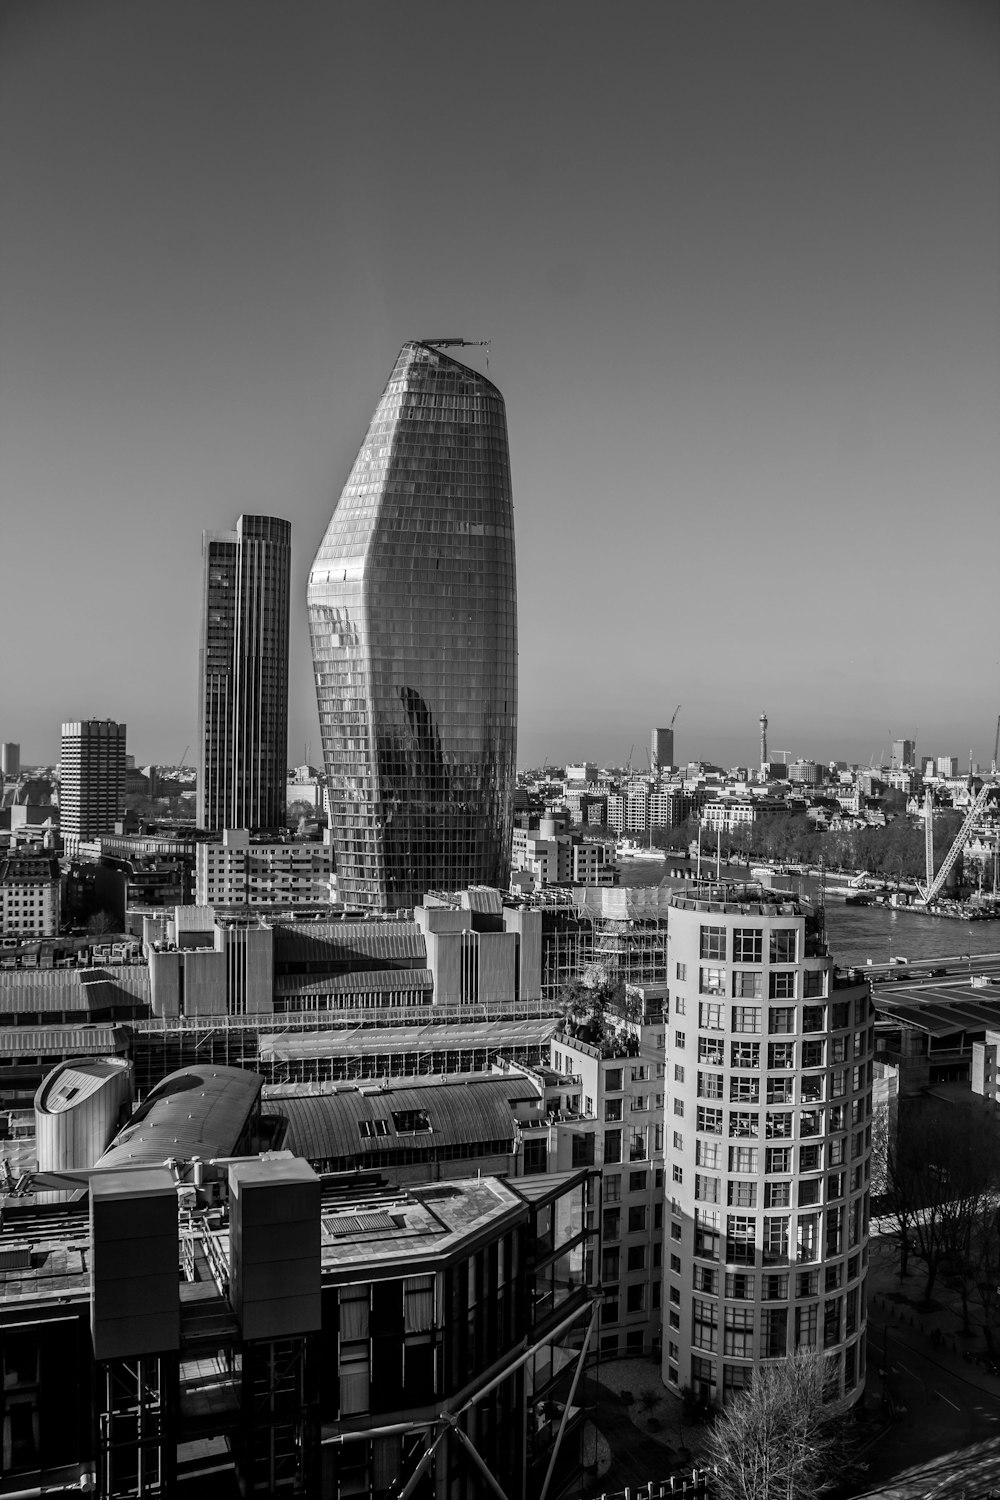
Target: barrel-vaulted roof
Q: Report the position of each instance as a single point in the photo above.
(193, 1112)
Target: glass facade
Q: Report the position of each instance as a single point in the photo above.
(243, 722)
(412, 616)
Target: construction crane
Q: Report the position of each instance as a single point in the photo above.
(996, 746)
(677, 711)
(930, 891)
(183, 760)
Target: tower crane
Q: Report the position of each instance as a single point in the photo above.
(996, 746)
(678, 709)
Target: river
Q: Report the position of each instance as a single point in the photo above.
(859, 933)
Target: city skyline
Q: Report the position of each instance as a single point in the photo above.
(738, 271)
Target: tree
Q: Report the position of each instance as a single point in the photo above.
(100, 923)
(778, 1439)
(941, 1171)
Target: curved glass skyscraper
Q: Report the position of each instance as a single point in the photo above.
(413, 620)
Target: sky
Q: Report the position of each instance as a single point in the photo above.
(738, 264)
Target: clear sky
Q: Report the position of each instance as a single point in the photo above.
(738, 263)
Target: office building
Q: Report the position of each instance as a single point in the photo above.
(91, 779)
(661, 751)
(243, 705)
(238, 870)
(10, 759)
(29, 896)
(412, 614)
(903, 752)
(768, 1120)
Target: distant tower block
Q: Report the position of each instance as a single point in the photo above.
(662, 748)
(763, 739)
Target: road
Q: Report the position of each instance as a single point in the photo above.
(945, 1441)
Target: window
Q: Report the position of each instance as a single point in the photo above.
(810, 1122)
(743, 1122)
(612, 1187)
(637, 1182)
(704, 1324)
(806, 1319)
(748, 945)
(613, 1079)
(744, 1054)
(738, 1332)
(612, 1145)
(777, 1194)
(706, 1188)
(774, 1331)
(706, 1279)
(588, 1105)
(776, 1238)
(782, 985)
(636, 1258)
(612, 1109)
(678, 1072)
(369, 1129)
(808, 1191)
(742, 1194)
(743, 1090)
(779, 1126)
(678, 1141)
(535, 1158)
(746, 1018)
(706, 1154)
(775, 1286)
(713, 982)
(609, 1314)
(812, 1054)
(677, 1173)
(743, 1159)
(636, 1218)
(710, 1085)
(640, 1073)
(741, 1286)
(807, 1237)
(679, 1107)
(679, 1039)
(680, 1005)
(713, 942)
(610, 1266)
(809, 1158)
(806, 1283)
(780, 1090)
(410, 1121)
(639, 1104)
(711, 1050)
(709, 1120)
(740, 1239)
(781, 1018)
(682, 971)
(611, 1224)
(783, 945)
(780, 1054)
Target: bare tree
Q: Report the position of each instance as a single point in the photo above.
(941, 1170)
(102, 922)
(777, 1440)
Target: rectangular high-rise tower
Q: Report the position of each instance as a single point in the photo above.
(243, 709)
(413, 618)
(10, 758)
(91, 778)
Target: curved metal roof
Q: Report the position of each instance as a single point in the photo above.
(194, 1112)
(352, 1125)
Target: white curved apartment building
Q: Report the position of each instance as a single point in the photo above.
(768, 1108)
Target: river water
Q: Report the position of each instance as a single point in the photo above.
(859, 933)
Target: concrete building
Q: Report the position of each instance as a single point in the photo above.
(550, 857)
(239, 870)
(768, 1114)
(91, 779)
(243, 703)
(29, 896)
(903, 753)
(10, 759)
(413, 619)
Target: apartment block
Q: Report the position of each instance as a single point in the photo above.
(240, 870)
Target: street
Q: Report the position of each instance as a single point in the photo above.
(945, 1440)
